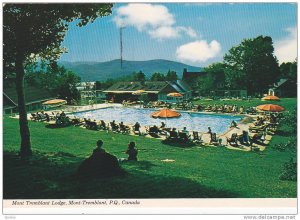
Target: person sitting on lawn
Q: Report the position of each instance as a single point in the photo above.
(99, 164)
(132, 151)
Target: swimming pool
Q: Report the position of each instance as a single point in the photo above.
(192, 121)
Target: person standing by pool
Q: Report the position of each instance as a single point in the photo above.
(209, 131)
(137, 127)
(163, 125)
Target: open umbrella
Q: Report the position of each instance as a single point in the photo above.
(55, 102)
(270, 108)
(166, 113)
(270, 98)
(175, 94)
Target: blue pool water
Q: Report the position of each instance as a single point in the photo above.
(193, 121)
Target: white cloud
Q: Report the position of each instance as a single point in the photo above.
(198, 51)
(142, 16)
(156, 20)
(164, 32)
(189, 31)
(168, 32)
(286, 49)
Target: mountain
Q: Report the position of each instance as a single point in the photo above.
(92, 71)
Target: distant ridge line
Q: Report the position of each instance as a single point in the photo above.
(93, 71)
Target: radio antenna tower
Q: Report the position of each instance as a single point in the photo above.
(121, 46)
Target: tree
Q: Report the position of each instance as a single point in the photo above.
(36, 31)
(251, 65)
(289, 171)
(209, 82)
(289, 70)
(139, 76)
(171, 76)
(158, 77)
(66, 86)
(57, 80)
(98, 85)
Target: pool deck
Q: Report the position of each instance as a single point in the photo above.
(205, 136)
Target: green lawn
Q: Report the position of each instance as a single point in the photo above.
(205, 172)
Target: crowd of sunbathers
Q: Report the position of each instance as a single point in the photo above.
(262, 126)
(189, 106)
(60, 118)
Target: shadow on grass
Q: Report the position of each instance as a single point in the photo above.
(53, 126)
(44, 178)
(283, 133)
(181, 144)
(142, 165)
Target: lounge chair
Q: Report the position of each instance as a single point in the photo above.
(183, 136)
(102, 125)
(93, 125)
(153, 131)
(34, 117)
(90, 124)
(258, 128)
(256, 138)
(233, 139)
(196, 138)
(173, 135)
(124, 129)
(114, 127)
(213, 139)
(76, 122)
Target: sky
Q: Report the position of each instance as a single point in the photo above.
(197, 34)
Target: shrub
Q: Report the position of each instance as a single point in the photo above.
(289, 171)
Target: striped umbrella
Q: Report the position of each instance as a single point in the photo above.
(270, 108)
(165, 113)
(270, 98)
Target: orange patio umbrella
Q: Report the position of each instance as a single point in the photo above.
(175, 94)
(270, 108)
(55, 102)
(270, 98)
(165, 113)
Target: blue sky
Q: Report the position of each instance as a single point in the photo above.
(196, 34)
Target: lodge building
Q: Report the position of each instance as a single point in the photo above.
(155, 90)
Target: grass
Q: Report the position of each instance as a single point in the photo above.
(205, 172)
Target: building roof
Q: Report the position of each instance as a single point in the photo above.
(130, 87)
(192, 75)
(279, 83)
(185, 86)
(148, 86)
(32, 94)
